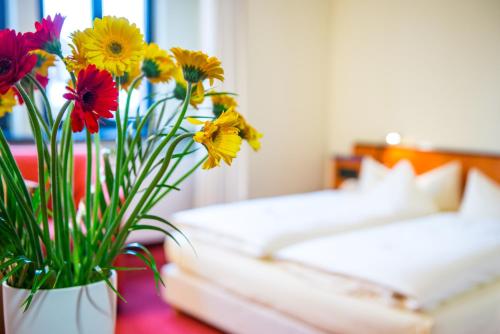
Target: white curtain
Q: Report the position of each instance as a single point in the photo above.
(223, 34)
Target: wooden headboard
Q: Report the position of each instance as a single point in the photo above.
(422, 160)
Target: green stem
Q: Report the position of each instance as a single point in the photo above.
(44, 97)
(170, 172)
(138, 131)
(109, 233)
(97, 184)
(155, 201)
(59, 224)
(41, 170)
(127, 104)
(115, 195)
(124, 231)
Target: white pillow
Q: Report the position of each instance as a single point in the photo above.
(397, 193)
(442, 184)
(371, 172)
(481, 198)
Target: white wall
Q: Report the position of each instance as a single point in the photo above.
(287, 67)
(275, 56)
(429, 69)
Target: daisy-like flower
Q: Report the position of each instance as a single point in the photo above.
(157, 65)
(95, 96)
(197, 66)
(222, 102)
(127, 78)
(113, 44)
(77, 60)
(47, 35)
(15, 59)
(249, 133)
(180, 90)
(220, 138)
(7, 102)
(44, 61)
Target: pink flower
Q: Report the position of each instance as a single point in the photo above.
(47, 35)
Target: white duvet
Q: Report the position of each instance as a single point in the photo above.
(262, 226)
(427, 259)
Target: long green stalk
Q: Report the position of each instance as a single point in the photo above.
(122, 234)
(59, 223)
(41, 171)
(46, 102)
(107, 238)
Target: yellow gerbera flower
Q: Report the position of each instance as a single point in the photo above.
(197, 66)
(180, 90)
(249, 133)
(220, 138)
(127, 78)
(113, 44)
(77, 61)
(44, 61)
(7, 102)
(157, 65)
(222, 102)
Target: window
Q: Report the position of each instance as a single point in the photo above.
(79, 15)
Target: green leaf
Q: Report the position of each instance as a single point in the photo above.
(148, 259)
(169, 224)
(154, 228)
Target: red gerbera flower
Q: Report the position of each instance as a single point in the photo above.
(15, 60)
(95, 96)
(47, 35)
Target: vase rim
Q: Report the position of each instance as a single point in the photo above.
(112, 278)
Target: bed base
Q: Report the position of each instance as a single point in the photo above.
(215, 306)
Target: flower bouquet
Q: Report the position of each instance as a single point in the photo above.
(57, 256)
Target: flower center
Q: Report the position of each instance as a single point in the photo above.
(193, 74)
(88, 99)
(150, 69)
(115, 48)
(5, 65)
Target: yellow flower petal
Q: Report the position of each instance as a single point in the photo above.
(221, 139)
(194, 121)
(113, 44)
(7, 102)
(157, 65)
(197, 66)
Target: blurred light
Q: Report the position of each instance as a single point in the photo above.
(393, 138)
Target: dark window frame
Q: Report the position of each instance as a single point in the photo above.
(107, 132)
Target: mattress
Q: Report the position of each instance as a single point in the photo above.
(335, 307)
(265, 282)
(212, 303)
(428, 259)
(227, 311)
(262, 226)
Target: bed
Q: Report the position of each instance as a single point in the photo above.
(288, 285)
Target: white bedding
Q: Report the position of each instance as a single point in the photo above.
(262, 226)
(313, 297)
(429, 259)
(267, 283)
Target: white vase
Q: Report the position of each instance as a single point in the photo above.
(86, 309)
(2, 328)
